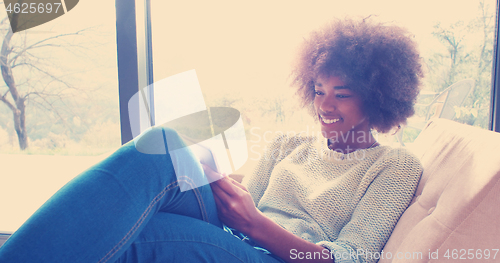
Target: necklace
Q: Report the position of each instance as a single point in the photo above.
(330, 145)
(372, 145)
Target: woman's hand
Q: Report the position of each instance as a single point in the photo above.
(235, 206)
(237, 210)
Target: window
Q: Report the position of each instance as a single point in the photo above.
(66, 71)
(68, 76)
(242, 54)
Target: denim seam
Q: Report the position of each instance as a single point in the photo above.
(203, 209)
(141, 219)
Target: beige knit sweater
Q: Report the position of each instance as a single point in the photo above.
(348, 203)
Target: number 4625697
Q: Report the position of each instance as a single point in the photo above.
(471, 254)
(32, 8)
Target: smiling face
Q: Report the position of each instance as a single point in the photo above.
(339, 110)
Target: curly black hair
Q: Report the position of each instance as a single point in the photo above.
(379, 62)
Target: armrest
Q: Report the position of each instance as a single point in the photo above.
(4, 236)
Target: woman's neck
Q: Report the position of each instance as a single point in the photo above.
(352, 143)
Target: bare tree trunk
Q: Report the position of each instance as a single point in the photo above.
(19, 107)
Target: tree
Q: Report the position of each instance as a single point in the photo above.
(469, 54)
(37, 83)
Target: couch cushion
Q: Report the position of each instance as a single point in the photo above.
(4, 236)
(454, 214)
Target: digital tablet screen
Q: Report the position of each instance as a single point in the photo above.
(204, 154)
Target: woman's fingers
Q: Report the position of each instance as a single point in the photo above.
(226, 185)
(218, 201)
(220, 192)
(238, 184)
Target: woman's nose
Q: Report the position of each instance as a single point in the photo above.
(328, 105)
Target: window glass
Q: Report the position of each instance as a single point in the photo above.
(66, 70)
(242, 53)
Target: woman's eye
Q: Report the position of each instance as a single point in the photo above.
(342, 96)
(317, 93)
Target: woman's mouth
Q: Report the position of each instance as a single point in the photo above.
(329, 120)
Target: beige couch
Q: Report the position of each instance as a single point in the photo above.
(455, 214)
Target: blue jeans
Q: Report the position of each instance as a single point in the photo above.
(129, 208)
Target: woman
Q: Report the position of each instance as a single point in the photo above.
(335, 197)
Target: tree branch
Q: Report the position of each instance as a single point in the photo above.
(6, 70)
(35, 45)
(10, 105)
(56, 112)
(51, 76)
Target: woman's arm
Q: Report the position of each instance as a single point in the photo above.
(257, 183)
(237, 210)
(286, 245)
(377, 213)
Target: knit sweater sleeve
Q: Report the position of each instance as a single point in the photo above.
(258, 182)
(376, 215)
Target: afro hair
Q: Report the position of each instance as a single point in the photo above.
(379, 62)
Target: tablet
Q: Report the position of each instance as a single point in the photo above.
(204, 153)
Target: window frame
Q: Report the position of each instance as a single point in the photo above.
(135, 57)
(495, 82)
